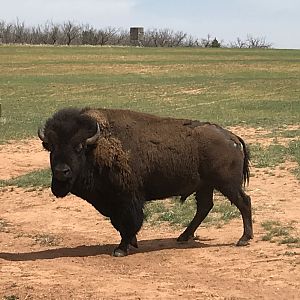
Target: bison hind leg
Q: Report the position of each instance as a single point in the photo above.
(243, 202)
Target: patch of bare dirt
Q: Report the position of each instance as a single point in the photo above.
(21, 157)
(263, 136)
(60, 249)
(192, 91)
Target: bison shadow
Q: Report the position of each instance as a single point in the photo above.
(145, 246)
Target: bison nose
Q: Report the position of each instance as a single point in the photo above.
(62, 172)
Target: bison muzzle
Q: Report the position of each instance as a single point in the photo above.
(119, 159)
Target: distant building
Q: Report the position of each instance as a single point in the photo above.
(136, 36)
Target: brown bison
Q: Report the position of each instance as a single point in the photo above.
(119, 159)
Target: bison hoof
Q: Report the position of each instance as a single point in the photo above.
(134, 242)
(242, 242)
(183, 238)
(119, 253)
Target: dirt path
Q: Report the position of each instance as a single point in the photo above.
(60, 249)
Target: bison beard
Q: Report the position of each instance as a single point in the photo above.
(60, 189)
(119, 159)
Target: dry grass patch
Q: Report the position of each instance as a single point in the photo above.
(266, 137)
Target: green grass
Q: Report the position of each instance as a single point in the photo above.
(275, 154)
(35, 179)
(228, 86)
(270, 156)
(279, 233)
(294, 133)
(178, 214)
(247, 87)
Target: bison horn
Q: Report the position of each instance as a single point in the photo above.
(94, 138)
(41, 133)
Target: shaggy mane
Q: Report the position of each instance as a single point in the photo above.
(109, 151)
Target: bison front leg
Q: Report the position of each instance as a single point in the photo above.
(122, 249)
(204, 199)
(128, 221)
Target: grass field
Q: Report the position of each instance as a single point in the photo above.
(249, 87)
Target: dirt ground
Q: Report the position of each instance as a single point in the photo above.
(60, 248)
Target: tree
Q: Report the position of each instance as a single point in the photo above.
(164, 38)
(19, 32)
(250, 42)
(121, 38)
(238, 43)
(106, 35)
(89, 36)
(51, 33)
(6, 33)
(257, 42)
(71, 31)
(215, 44)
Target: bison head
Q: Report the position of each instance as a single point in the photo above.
(69, 136)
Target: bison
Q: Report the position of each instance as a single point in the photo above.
(119, 159)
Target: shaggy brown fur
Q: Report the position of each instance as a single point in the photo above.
(138, 157)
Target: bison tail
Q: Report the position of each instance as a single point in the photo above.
(246, 165)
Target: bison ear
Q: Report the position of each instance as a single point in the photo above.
(93, 139)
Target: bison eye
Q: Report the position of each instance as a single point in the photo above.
(78, 148)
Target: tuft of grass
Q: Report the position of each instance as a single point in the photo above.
(279, 233)
(275, 154)
(171, 211)
(11, 297)
(270, 156)
(42, 239)
(4, 225)
(224, 212)
(290, 253)
(294, 151)
(290, 240)
(35, 179)
(181, 214)
(46, 239)
(290, 133)
(3, 183)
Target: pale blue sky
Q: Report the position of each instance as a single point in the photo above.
(276, 20)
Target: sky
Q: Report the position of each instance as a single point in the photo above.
(276, 20)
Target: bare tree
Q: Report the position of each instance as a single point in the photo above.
(250, 42)
(54, 33)
(6, 32)
(257, 42)
(89, 35)
(206, 42)
(121, 38)
(164, 38)
(51, 33)
(101, 37)
(106, 35)
(238, 43)
(71, 31)
(191, 41)
(177, 38)
(19, 32)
